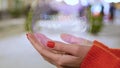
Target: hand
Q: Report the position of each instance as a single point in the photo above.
(74, 52)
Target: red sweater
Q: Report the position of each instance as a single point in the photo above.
(101, 56)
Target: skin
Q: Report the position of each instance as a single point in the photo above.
(62, 55)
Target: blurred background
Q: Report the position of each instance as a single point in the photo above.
(102, 19)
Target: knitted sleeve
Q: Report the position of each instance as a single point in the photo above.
(116, 52)
(101, 56)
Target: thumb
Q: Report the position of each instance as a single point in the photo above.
(75, 40)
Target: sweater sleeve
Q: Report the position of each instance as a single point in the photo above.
(116, 52)
(101, 56)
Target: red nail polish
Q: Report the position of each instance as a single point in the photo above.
(27, 35)
(50, 44)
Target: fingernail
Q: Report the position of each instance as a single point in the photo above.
(27, 35)
(50, 44)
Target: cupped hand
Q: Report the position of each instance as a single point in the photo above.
(71, 55)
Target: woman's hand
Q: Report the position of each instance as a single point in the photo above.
(70, 55)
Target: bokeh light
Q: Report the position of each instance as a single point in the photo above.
(71, 2)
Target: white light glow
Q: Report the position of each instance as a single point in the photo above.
(96, 8)
(71, 2)
(84, 2)
(59, 0)
(115, 1)
(106, 8)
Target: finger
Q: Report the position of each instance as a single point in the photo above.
(75, 40)
(62, 47)
(42, 50)
(34, 41)
(42, 38)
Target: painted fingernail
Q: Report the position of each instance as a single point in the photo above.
(27, 35)
(50, 44)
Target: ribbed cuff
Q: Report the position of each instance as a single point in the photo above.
(100, 56)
